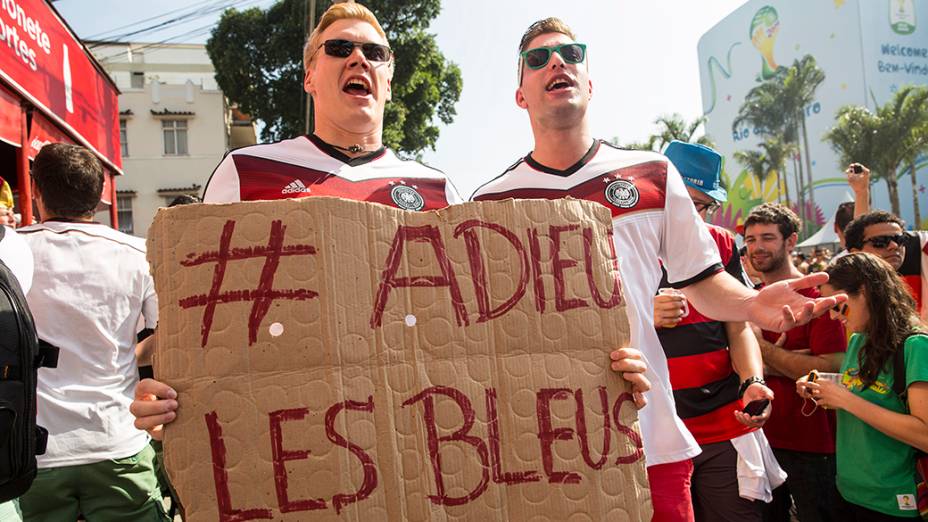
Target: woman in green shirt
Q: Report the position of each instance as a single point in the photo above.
(878, 431)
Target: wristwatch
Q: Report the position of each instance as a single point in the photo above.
(749, 381)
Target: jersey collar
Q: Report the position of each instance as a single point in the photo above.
(341, 156)
(569, 170)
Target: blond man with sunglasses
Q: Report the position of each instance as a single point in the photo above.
(653, 218)
(349, 68)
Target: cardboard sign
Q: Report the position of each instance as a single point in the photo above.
(338, 360)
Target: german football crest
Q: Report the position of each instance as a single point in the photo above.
(622, 193)
(407, 198)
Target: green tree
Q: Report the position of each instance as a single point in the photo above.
(917, 105)
(800, 82)
(884, 140)
(777, 108)
(675, 127)
(669, 128)
(259, 65)
(777, 151)
(763, 109)
(755, 162)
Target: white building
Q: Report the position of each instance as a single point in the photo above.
(175, 124)
(867, 49)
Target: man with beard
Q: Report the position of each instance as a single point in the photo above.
(804, 445)
(653, 218)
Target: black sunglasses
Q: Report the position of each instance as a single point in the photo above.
(883, 241)
(342, 49)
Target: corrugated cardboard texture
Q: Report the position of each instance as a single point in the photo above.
(336, 360)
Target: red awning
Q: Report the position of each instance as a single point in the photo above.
(43, 132)
(48, 66)
(11, 118)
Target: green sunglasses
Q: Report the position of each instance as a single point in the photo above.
(540, 56)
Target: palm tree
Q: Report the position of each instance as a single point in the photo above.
(885, 139)
(675, 127)
(800, 82)
(777, 152)
(670, 128)
(777, 108)
(764, 109)
(755, 162)
(915, 109)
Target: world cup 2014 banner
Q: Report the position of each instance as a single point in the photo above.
(337, 360)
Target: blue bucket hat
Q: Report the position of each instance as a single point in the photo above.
(700, 167)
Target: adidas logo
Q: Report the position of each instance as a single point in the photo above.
(295, 187)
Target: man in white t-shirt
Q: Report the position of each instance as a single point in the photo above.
(653, 218)
(90, 287)
(15, 254)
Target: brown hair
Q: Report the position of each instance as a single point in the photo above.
(774, 214)
(349, 10)
(69, 178)
(544, 26)
(891, 308)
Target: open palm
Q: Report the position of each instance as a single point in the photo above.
(779, 307)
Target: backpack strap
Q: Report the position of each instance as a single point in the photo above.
(48, 355)
(47, 358)
(899, 372)
(899, 367)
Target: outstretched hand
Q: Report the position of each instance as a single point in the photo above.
(780, 307)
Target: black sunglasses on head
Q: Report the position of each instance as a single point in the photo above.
(339, 48)
(883, 241)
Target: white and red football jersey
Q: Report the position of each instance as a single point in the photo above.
(653, 218)
(307, 166)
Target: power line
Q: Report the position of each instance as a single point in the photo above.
(101, 35)
(189, 34)
(179, 20)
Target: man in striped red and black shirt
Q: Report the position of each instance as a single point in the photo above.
(701, 353)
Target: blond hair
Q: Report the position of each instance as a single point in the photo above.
(348, 10)
(544, 26)
(547, 25)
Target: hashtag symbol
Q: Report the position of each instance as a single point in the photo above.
(263, 295)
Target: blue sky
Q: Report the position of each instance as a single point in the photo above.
(642, 61)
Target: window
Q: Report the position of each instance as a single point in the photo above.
(124, 212)
(123, 138)
(138, 80)
(175, 137)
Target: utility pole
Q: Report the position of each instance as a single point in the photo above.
(310, 24)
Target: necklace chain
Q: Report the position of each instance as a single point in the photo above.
(353, 149)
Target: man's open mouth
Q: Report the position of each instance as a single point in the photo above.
(558, 83)
(357, 87)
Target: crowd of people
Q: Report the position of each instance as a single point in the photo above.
(738, 377)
